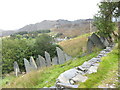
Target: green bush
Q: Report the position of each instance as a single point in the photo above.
(15, 49)
(45, 43)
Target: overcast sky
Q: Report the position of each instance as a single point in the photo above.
(15, 14)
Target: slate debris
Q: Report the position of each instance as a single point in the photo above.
(67, 75)
(93, 69)
(66, 85)
(77, 74)
(79, 78)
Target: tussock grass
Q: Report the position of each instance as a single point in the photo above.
(75, 46)
(106, 72)
(7, 79)
(47, 76)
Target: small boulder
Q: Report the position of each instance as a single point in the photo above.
(86, 65)
(79, 78)
(66, 85)
(93, 69)
(67, 75)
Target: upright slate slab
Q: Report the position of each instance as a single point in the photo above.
(55, 61)
(61, 56)
(38, 63)
(48, 59)
(90, 45)
(32, 63)
(42, 61)
(96, 40)
(16, 68)
(104, 41)
(27, 65)
(67, 57)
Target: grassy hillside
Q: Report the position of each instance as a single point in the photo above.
(107, 72)
(67, 42)
(45, 77)
(75, 46)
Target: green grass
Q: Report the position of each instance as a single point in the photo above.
(7, 79)
(46, 77)
(106, 72)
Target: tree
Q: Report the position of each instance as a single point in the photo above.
(45, 43)
(14, 50)
(103, 19)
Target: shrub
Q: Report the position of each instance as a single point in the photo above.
(14, 49)
(45, 43)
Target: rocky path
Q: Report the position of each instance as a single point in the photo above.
(68, 78)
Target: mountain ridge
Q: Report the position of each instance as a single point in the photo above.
(59, 24)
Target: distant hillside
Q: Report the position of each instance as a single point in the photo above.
(62, 26)
(75, 28)
(7, 33)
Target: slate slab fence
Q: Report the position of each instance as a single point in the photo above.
(61, 57)
(41, 62)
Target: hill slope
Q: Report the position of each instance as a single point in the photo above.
(46, 77)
